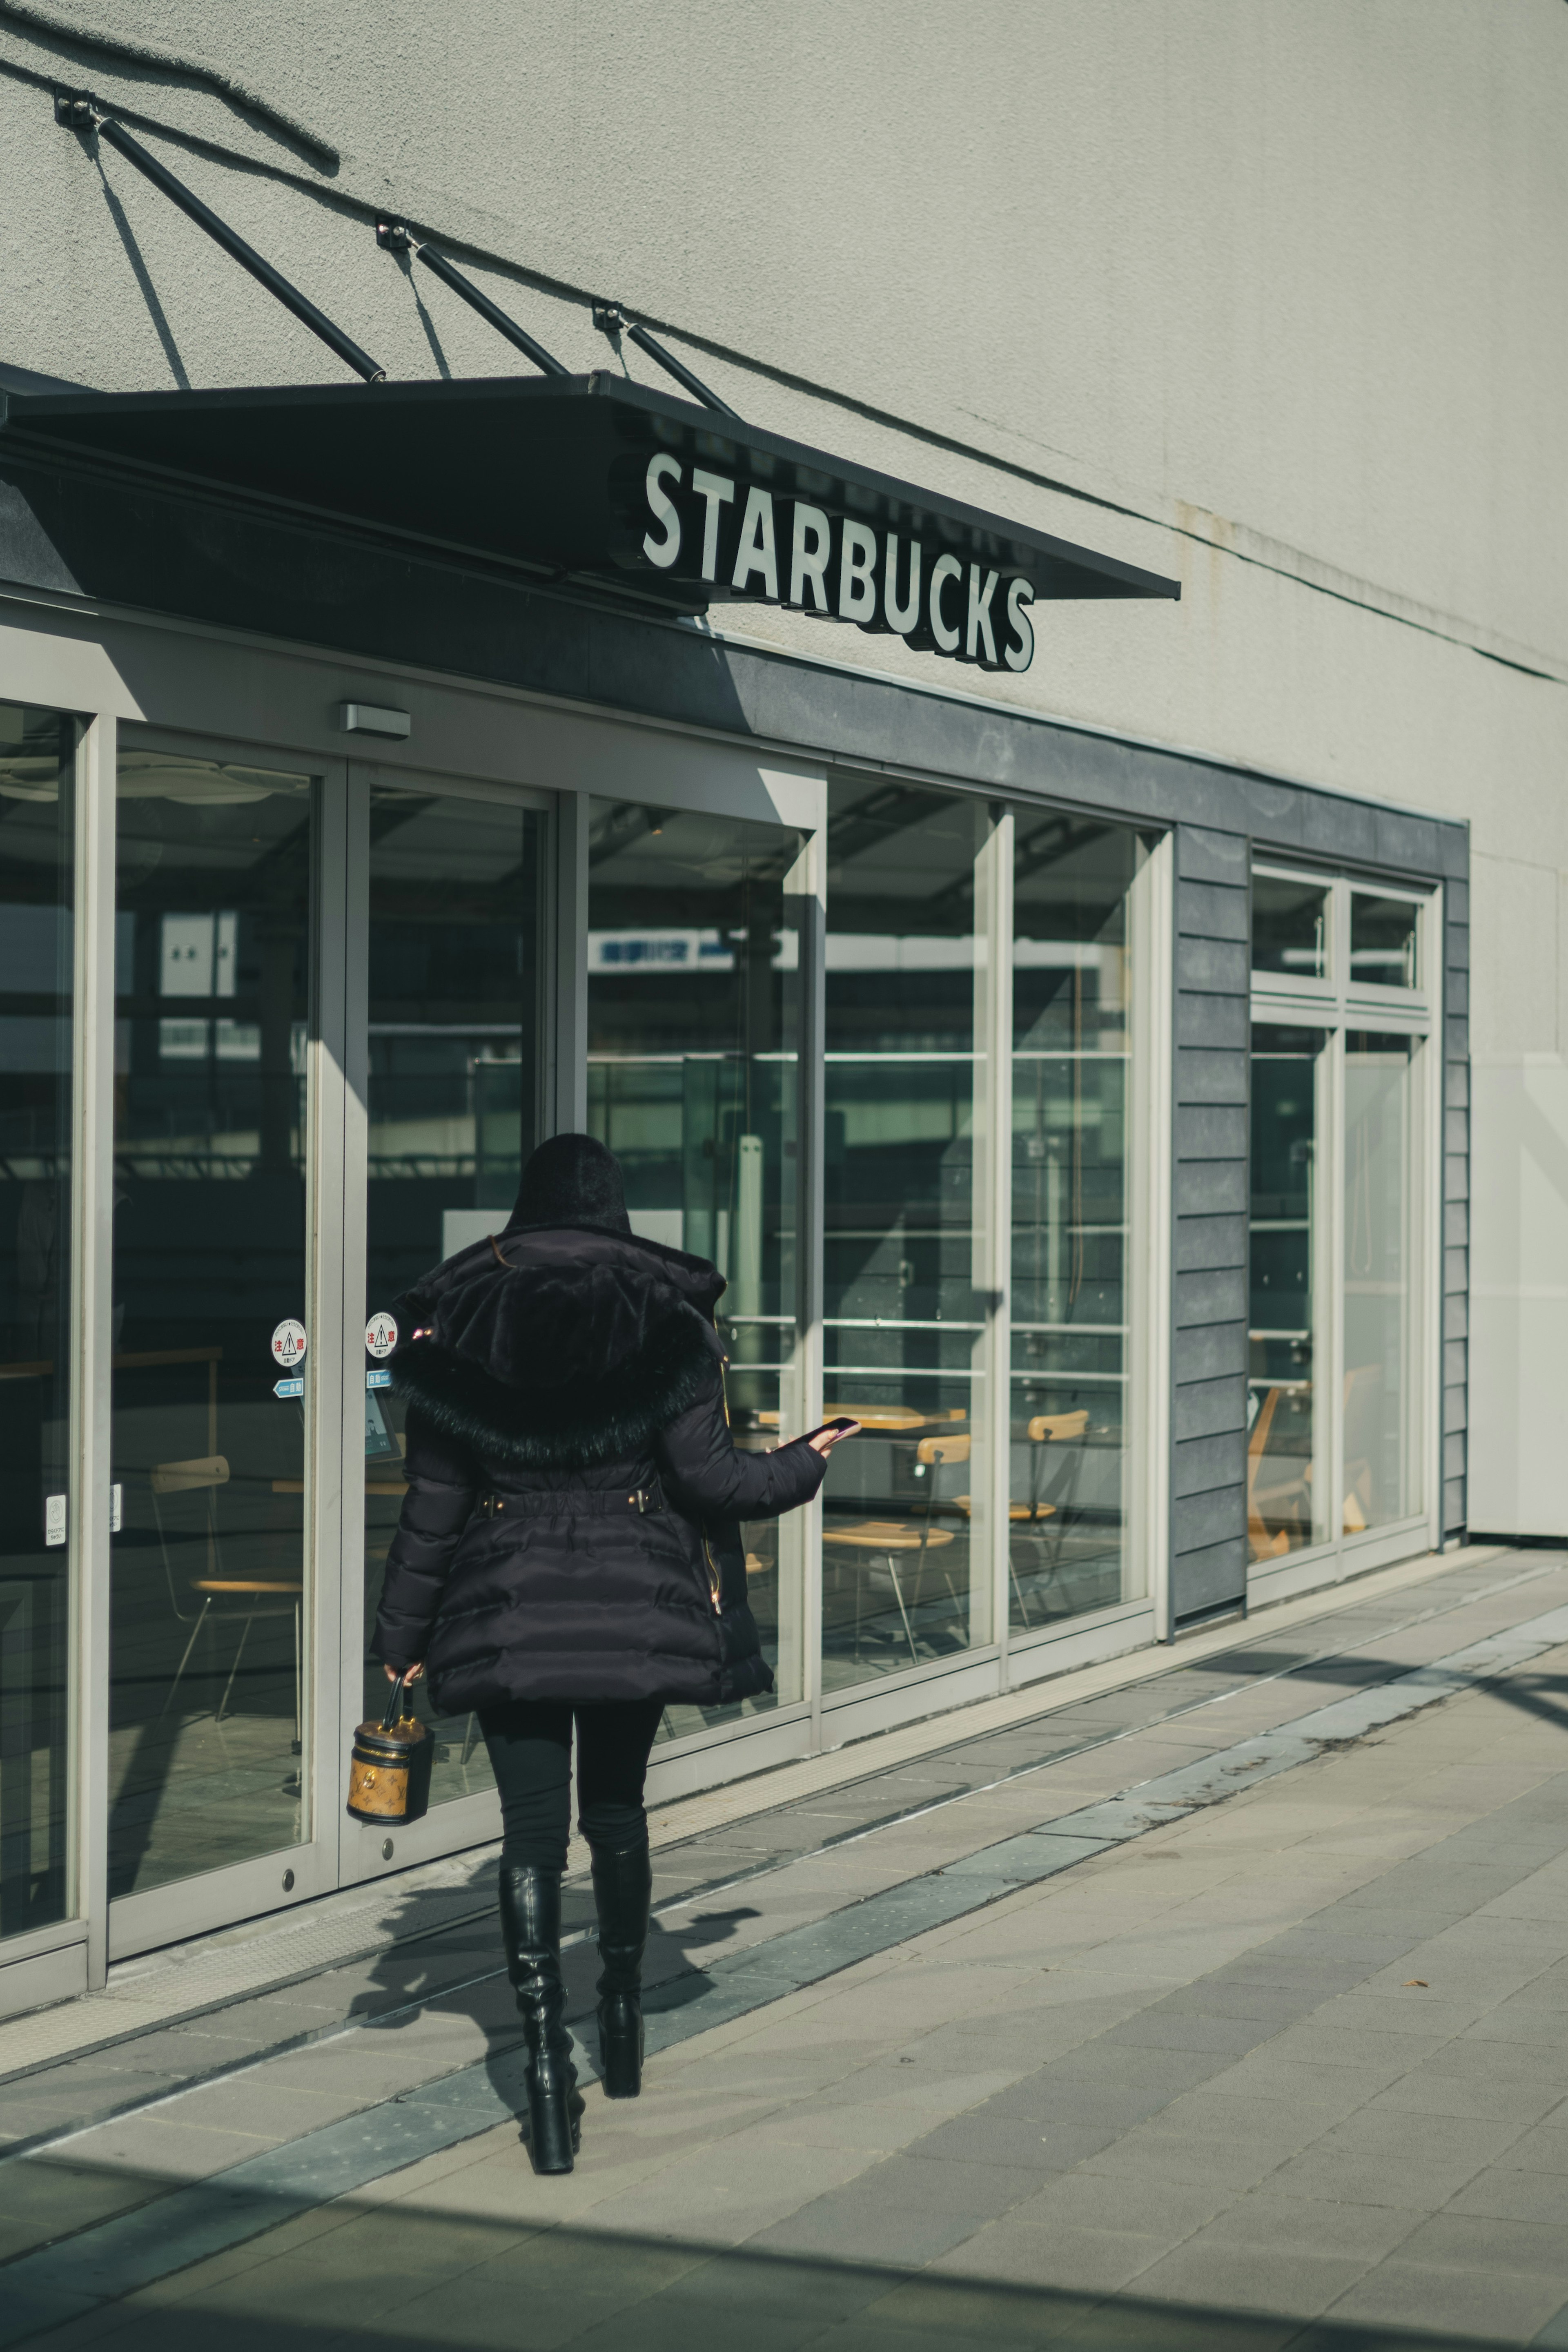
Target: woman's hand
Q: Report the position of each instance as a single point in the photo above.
(825, 1439)
(409, 1674)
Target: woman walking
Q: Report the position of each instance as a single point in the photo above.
(570, 1550)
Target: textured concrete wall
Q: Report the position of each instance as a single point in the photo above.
(1264, 293)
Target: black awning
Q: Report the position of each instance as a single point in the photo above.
(546, 472)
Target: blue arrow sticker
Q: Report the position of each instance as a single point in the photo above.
(378, 1380)
(287, 1388)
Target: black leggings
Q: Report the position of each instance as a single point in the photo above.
(529, 1742)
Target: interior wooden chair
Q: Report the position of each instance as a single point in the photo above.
(888, 1539)
(1264, 1545)
(241, 1600)
(1049, 1429)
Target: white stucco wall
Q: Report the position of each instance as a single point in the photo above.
(1268, 294)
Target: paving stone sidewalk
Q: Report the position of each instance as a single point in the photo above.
(814, 1853)
(1293, 2072)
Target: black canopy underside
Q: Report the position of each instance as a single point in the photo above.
(514, 468)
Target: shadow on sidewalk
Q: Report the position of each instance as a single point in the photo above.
(412, 2274)
(460, 1971)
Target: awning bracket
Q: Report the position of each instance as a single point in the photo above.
(611, 321)
(76, 112)
(396, 237)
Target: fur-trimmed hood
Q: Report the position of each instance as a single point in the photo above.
(559, 1347)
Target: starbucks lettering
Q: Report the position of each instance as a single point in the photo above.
(743, 541)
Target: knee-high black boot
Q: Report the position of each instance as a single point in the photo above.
(530, 1924)
(623, 1886)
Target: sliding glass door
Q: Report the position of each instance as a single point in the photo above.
(211, 1316)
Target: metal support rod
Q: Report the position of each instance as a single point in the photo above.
(394, 236)
(611, 319)
(80, 114)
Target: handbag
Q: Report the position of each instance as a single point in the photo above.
(389, 1767)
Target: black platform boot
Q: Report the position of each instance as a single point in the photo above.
(530, 1924)
(623, 1886)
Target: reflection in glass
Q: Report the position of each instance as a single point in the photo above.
(454, 1007)
(694, 1079)
(1290, 926)
(1287, 1408)
(1067, 1507)
(212, 962)
(1382, 941)
(1381, 1390)
(36, 754)
(904, 1573)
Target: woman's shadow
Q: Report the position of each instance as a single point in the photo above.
(443, 1977)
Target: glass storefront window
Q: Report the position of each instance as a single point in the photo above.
(209, 1562)
(453, 1016)
(1290, 926)
(1287, 1406)
(905, 1573)
(1068, 1502)
(1383, 933)
(693, 1082)
(36, 817)
(1382, 1388)
(1337, 1226)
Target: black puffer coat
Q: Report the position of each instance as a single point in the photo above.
(571, 1528)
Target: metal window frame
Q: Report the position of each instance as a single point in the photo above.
(1337, 1006)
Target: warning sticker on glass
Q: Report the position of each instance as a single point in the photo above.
(381, 1336)
(288, 1344)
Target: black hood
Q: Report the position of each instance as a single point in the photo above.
(559, 1346)
(574, 1179)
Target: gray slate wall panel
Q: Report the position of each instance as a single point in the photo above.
(1210, 1132)
(1213, 967)
(1206, 857)
(1208, 1075)
(1210, 1408)
(1206, 1187)
(1212, 910)
(1205, 1242)
(1345, 831)
(1211, 1352)
(1211, 1022)
(1209, 1346)
(1207, 1465)
(1217, 1294)
(1214, 1577)
(1200, 1521)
